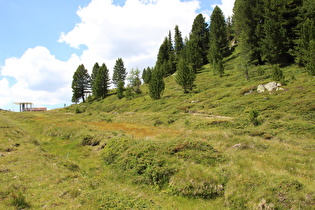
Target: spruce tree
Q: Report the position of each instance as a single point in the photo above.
(185, 76)
(156, 85)
(280, 23)
(93, 76)
(200, 34)
(146, 75)
(179, 44)
(134, 80)
(193, 54)
(101, 82)
(80, 84)
(120, 89)
(218, 40)
(306, 37)
(248, 19)
(310, 59)
(120, 72)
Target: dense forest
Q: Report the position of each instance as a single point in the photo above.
(272, 32)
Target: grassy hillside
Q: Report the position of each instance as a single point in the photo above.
(186, 151)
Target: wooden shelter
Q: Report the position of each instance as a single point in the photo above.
(28, 107)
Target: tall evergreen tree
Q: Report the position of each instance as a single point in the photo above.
(185, 76)
(101, 83)
(230, 28)
(171, 56)
(218, 39)
(80, 84)
(166, 59)
(306, 36)
(146, 75)
(179, 44)
(120, 72)
(200, 34)
(280, 22)
(156, 85)
(93, 76)
(134, 80)
(248, 20)
(193, 54)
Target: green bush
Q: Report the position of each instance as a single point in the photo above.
(155, 163)
(254, 117)
(18, 200)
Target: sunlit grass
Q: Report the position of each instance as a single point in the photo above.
(167, 162)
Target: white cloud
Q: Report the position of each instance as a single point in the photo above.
(227, 7)
(41, 78)
(133, 32)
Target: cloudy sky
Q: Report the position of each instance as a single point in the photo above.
(42, 42)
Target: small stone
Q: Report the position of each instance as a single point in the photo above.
(271, 86)
(260, 89)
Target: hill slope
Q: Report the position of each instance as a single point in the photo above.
(195, 151)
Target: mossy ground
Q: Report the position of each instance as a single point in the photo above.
(186, 151)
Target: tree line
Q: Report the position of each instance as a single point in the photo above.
(277, 32)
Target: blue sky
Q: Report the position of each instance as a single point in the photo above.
(43, 41)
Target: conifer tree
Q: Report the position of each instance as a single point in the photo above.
(200, 34)
(166, 59)
(146, 75)
(93, 76)
(218, 40)
(101, 82)
(120, 72)
(179, 44)
(185, 76)
(80, 84)
(280, 22)
(134, 80)
(120, 89)
(248, 20)
(306, 37)
(193, 54)
(156, 85)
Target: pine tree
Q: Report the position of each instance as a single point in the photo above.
(166, 58)
(120, 72)
(80, 84)
(200, 34)
(179, 44)
(230, 28)
(120, 89)
(306, 37)
(277, 74)
(248, 20)
(134, 80)
(185, 76)
(146, 75)
(310, 59)
(193, 54)
(280, 22)
(171, 56)
(93, 76)
(163, 54)
(101, 82)
(218, 40)
(156, 85)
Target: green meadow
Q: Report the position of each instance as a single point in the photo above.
(222, 146)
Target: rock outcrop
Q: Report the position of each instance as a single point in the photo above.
(271, 86)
